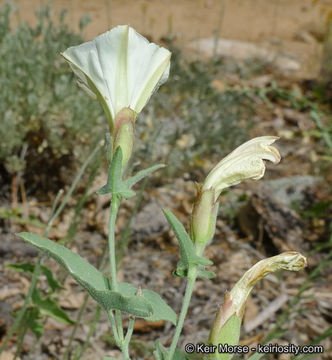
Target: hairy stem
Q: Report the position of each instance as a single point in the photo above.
(192, 274)
(115, 204)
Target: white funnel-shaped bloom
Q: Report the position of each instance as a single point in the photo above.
(120, 68)
(245, 162)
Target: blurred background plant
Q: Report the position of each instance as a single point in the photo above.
(46, 123)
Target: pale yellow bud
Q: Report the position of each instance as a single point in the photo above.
(234, 303)
(245, 162)
(203, 218)
(124, 133)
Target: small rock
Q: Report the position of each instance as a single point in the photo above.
(306, 37)
(241, 50)
(150, 220)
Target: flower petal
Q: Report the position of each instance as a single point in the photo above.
(121, 68)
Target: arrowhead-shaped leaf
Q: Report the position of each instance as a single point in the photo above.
(114, 179)
(160, 353)
(182, 272)
(49, 307)
(29, 268)
(161, 311)
(32, 318)
(187, 249)
(97, 285)
(131, 181)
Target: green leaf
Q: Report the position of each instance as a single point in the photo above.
(92, 280)
(182, 272)
(29, 268)
(131, 181)
(32, 317)
(50, 308)
(160, 353)
(126, 193)
(135, 305)
(161, 311)
(178, 355)
(187, 249)
(256, 356)
(202, 273)
(114, 180)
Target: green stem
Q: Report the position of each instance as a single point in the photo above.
(192, 274)
(115, 204)
(125, 347)
(111, 239)
(114, 329)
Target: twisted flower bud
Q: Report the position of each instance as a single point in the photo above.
(245, 162)
(203, 218)
(226, 327)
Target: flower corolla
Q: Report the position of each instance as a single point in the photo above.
(120, 68)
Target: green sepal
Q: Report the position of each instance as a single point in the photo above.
(49, 307)
(228, 334)
(29, 268)
(161, 311)
(92, 280)
(131, 181)
(187, 249)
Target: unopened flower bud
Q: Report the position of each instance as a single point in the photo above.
(203, 218)
(245, 162)
(229, 317)
(124, 133)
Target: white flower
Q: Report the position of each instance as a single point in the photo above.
(120, 68)
(245, 162)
